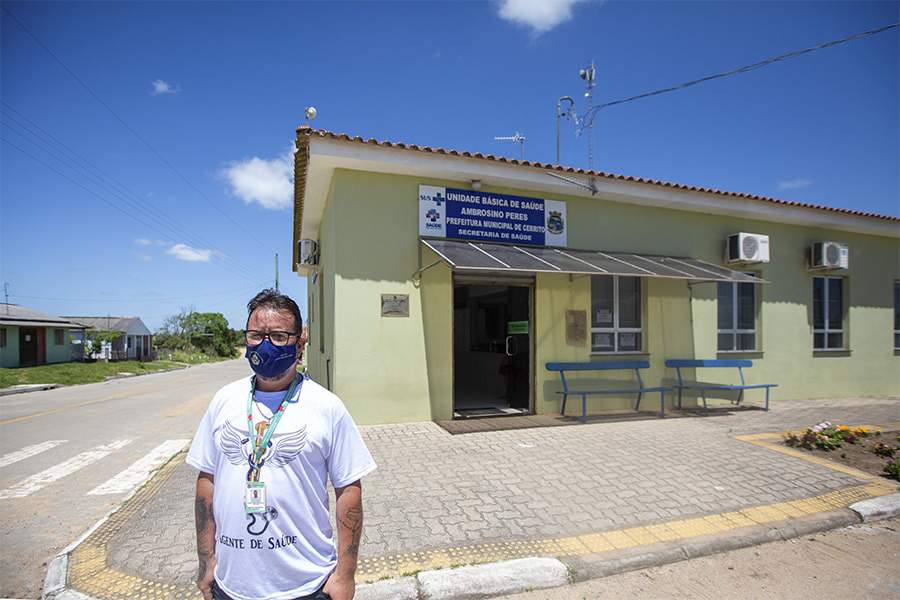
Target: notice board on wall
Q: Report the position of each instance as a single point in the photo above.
(576, 327)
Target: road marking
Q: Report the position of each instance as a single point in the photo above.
(40, 480)
(140, 471)
(61, 409)
(28, 452)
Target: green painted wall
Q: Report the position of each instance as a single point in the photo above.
(400, 369)
(57, 353)
(9, 355)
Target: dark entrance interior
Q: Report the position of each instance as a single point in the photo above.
(491, 350)
(28, 346)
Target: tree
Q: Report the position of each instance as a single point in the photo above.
(207, 332)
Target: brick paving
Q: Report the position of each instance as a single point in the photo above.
(436, 490)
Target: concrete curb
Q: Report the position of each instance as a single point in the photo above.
(40, 387)
(594, 566)
(492, 579)
(876, 509)
(24, 389)
(507, 577)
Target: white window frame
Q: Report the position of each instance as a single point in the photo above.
(615, 330)
(825, 315)
(734, 331)
(896, 310)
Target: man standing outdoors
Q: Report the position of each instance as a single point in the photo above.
(265, 450)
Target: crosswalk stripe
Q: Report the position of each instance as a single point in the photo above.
(28, 452)
(140, 471)
(37, 481)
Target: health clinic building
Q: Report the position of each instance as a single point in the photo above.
(441, 282)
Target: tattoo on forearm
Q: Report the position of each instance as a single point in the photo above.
(352, 520)
(201, 514)
(201, 570)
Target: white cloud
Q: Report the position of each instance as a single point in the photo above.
(146, 242)
(794, 184)
(268, 182)
(189, 254)
(540, 15)
(145, 257)
(164, 87)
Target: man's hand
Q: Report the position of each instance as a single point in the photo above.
(340, 588)
(205, 576)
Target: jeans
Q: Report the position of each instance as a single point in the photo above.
(218, 594)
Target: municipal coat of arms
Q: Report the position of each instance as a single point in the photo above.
(555, 224)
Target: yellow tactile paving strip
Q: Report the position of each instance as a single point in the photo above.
(89, 573)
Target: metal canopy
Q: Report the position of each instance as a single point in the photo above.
(478, 256)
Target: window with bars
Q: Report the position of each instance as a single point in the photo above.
(828, 313)
(737, 317)
(59, 336)
(616, 314)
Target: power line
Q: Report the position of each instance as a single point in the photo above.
(137, 204)
(745, 69)
(92, 192)
(122, 121)
(132, 300)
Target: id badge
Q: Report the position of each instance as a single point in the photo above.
(255, 497)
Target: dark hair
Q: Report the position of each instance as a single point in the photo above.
(275, 300)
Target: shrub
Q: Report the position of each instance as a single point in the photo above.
(884, 450)
(892, 469)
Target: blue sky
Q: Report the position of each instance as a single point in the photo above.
(217, 89)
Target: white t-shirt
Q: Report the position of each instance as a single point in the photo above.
(289, 551)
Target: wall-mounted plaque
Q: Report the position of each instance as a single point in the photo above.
(576, 327)
(395, 305)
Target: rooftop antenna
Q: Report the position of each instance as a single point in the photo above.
(6, 293)
(589, 75)
(582, 122)
(518, 138)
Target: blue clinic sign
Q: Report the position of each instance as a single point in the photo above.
(488, 217)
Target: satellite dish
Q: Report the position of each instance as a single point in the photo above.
(311, 113)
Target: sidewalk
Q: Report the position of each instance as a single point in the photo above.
(440, 501)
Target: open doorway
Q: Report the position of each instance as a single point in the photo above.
(491, 350)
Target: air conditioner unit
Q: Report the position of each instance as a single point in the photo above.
(747, 248)
(308, 251)
(829, 255)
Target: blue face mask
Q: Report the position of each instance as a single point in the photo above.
(269, 361)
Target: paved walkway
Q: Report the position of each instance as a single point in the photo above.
(440, 498)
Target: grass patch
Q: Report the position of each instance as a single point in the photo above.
(74, 372)
(190, 358)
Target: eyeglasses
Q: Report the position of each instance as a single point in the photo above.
(279, 338)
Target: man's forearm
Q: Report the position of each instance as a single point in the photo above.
(205, 522)
(349, 525)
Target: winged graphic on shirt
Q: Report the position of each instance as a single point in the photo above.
(235, 444)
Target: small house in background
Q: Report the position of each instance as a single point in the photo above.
(135, 341)
(29, 338)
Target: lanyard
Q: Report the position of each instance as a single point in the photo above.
(260, 444)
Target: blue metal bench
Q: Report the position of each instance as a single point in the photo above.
(636, 365)
(739, 364)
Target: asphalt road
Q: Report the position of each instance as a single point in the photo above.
(72, 454)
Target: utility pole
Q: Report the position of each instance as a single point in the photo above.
(589, 74)
(276, 271)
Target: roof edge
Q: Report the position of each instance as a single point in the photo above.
(305, 133)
